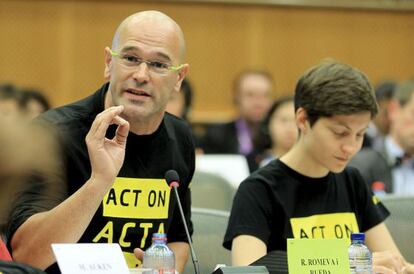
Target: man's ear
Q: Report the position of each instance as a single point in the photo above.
(181, 75)
(301, 119)
(108, 63)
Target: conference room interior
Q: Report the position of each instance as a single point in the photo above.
(57, 48)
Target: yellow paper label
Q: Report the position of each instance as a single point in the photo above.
(325, 226)
(137, 199)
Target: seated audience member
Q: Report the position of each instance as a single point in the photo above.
(278, 133)
(180, 106)
(10, 100)
(253, 97)
(390, 168)
(116, 146)
(19, 158)
(34, 103)
(380, 126)
(180, 102)
(334, 104)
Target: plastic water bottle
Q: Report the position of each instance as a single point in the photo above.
(378, 188)
(360, 260)
(159, 257)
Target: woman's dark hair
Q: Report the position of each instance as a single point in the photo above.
(332, 88)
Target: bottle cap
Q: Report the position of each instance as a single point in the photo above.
(378, 186)
(159, 237)
(358, 236)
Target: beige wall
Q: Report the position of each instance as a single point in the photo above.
(58, 46)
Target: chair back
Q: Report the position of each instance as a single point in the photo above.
(209, 190)
(401, 223)
(209, 228)
(233, 167)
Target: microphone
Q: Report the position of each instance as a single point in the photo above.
(173, 180)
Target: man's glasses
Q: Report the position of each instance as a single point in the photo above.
(131, 61)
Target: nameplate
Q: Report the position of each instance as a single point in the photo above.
(90, 259)
(318, 256)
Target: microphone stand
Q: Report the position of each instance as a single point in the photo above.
(193, 255)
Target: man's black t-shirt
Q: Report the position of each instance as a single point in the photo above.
(276, 203)
(140, 202)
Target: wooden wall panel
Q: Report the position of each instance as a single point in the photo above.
(58, 46)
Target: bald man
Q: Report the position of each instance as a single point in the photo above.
(117, 145)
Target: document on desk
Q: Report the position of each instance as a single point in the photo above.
(90, 259)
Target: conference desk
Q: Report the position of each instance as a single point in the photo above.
(275, 261)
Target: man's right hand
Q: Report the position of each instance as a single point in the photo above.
(107, 156)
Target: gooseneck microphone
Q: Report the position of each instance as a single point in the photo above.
(173, 180)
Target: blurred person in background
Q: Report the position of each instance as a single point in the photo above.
(20, 161)
(19, 165)
(25, 103)
(389, 167)
(180, 106)
(34, 103)
(380, 126)
(278, 132)
(252, 95)
(180, 102)
(10, 100)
